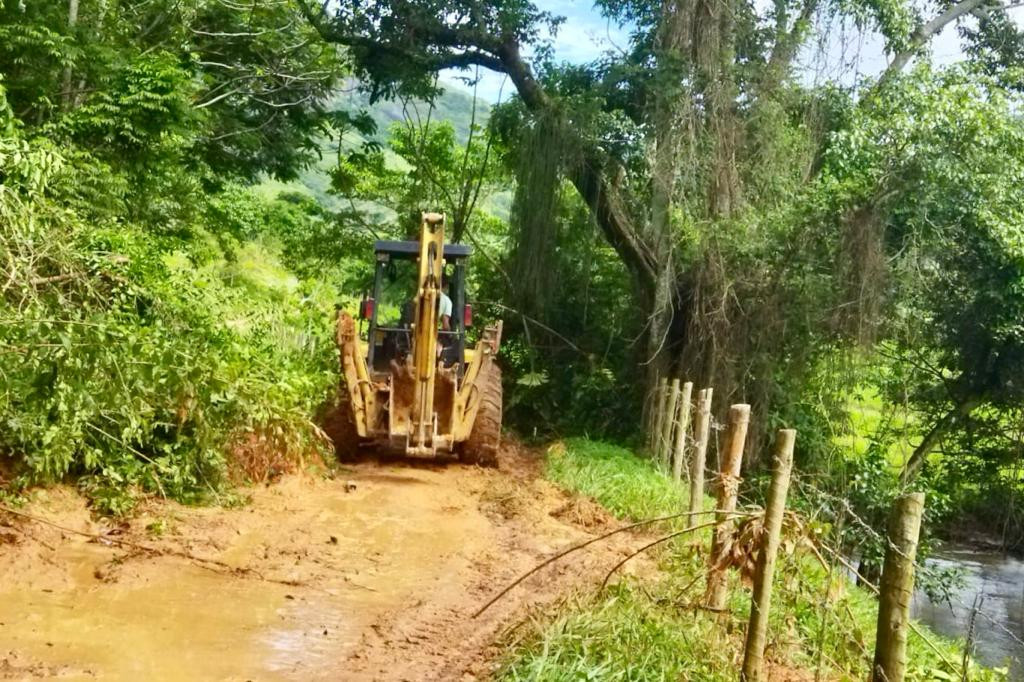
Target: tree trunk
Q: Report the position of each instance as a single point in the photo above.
(671, 102)
(67, 95)
(931, 439)
(714, 53)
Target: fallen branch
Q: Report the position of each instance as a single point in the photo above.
(583, 545)
(666, 538)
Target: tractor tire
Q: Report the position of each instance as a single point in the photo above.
(484, 440)
(340, 426)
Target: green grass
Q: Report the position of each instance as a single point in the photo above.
(623, 635)
(869, 416)
(627, 486)
(650, 629)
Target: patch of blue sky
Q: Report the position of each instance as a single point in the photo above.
(583, 37)
(841, 52)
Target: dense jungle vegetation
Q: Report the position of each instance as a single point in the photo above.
(188, 189)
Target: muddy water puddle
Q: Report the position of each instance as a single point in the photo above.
(87, 611)
(178, 622)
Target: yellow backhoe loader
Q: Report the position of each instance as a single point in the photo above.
(410, 385)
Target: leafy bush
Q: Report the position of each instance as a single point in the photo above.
(135, 360)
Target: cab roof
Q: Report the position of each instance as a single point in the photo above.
(410, 250)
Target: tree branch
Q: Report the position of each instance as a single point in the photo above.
(931, 439)
(466, 45)
(467, 59)
(616, 226)
(926, 32)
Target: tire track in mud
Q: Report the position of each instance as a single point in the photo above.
(437, 638)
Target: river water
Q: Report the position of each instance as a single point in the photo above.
(999, 627)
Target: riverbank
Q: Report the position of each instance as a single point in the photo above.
(984, 532)
(821, 627)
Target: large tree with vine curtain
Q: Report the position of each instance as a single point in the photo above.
(695, 149)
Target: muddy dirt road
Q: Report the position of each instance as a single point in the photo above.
(371, 576)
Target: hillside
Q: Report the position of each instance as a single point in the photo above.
(454, 105)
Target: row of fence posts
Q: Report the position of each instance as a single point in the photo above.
(668, 434)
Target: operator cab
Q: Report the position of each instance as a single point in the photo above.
(389, 310)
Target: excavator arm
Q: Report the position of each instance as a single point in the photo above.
(424, 333)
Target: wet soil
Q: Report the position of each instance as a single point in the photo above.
(373, 575)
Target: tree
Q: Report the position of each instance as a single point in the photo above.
(248, 81)
(138, 355)
(423, 166)
(722, 136)
(941, 163)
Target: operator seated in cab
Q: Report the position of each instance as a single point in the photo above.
(447, 338)
(444, 313)
(444, 309)
(447, 349)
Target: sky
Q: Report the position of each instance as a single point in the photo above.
(583, 37)
(847, 56)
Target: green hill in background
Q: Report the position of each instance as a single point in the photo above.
(453, 105)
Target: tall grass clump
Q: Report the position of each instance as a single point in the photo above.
(627, 486)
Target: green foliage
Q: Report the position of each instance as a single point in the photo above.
(423, 167)
(895, 20)
(389, 63)
(124, 74)
(955, 208)
(135, 361)
(621, 635)
(576, 342)
(641, 630)
(937, 157)
(150, 328)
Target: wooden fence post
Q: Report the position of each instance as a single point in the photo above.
(701, 433)
(650, 413)
(659, 413)
(728, 488)
(668, 421)
(760, 603)
(682, 427)
(896, 589)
